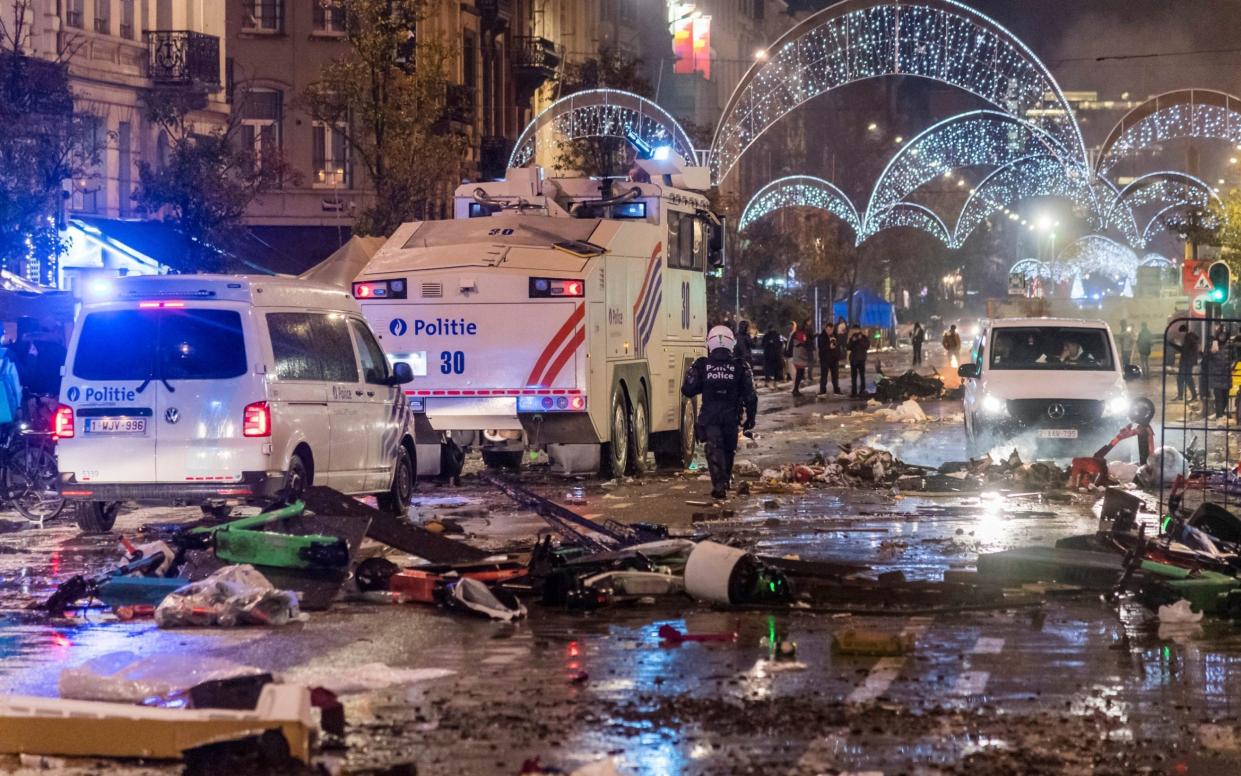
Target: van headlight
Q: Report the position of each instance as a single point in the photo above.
(994, 405)
(1117, 406)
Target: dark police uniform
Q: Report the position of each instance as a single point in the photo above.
(726, 386)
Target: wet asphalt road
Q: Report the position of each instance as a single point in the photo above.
(1075, 686)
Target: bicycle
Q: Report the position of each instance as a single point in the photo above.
(31, 475)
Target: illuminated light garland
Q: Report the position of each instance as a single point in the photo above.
(1169, 189)
(974, 139)
(1187, 113)
(910, 215)
(1021, 179)
(803, 191)
(1095, 253)
(599, 113)
(855, 40)
(1030, 269)
(1155, 260)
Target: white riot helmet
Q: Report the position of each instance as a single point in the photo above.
(720, 337)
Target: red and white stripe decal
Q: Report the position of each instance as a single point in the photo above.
(542, 374)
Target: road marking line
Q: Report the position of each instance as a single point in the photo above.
(987, 646)
(971, 683)
(882, 674)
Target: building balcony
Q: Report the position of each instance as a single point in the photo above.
(535, 61)
(183, 57)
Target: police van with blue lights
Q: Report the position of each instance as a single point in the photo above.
(553, 313)
(215, 391)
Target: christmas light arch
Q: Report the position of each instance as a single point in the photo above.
(1155, 260)
(599, 113)
(856, 40)
(1169, 189)
(1030, 268)
(1038, 175)
(1096, 253)
(983, 138)
(800, 191)
(910, 215)
(1186, 113)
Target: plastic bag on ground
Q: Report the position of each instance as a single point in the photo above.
(1167, 461)
(1178, 613)
(234, 595)
(123, 677)
(470, 595)
(1122, 471)
(908, 411)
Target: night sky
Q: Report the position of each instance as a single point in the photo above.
(1068, 35)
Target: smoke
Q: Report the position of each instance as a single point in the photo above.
(1142, 27)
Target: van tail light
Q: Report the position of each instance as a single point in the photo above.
(256, 421)
(62, 422)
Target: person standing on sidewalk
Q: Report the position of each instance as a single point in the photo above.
(799, 348)
(858, 345)
(773, 357)
(744, 349)
(917, 338)
(952, 345)
(1146, 343)
(1188, 350)
(829, 358)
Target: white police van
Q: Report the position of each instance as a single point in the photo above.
(218, 390)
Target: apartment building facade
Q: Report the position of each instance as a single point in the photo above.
(278, 48)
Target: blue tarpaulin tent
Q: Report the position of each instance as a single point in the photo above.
(869, 309)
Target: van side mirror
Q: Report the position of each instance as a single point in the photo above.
(968, 371)
(1133, 372)
(401, 374)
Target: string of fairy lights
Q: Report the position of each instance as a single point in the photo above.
(1028, 145)
(1032, 149)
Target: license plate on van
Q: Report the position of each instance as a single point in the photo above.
(116, 425)
(1058, 433)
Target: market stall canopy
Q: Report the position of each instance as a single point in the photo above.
(869, 309)
(346, 263)
(19, 297)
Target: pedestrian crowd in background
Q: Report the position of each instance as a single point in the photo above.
(794, 356)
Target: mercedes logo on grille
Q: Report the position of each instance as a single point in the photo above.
(1055, 410)
(172, 415)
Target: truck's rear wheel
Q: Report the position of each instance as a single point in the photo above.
(502, 459)
(95, 517)
(616, 454)
(639, 437)
(676, 448)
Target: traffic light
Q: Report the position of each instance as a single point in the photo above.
(1220, 277)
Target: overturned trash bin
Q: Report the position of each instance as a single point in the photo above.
(721, 574)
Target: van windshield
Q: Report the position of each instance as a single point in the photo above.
(1051, 348)
(162, 344)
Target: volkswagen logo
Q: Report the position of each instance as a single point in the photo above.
(172, 415)
(1055, 410)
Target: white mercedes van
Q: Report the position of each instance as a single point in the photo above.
(1058, 380)
(217, 390)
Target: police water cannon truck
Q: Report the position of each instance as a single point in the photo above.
(555, 314)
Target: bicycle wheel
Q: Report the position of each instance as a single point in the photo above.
(34, 482)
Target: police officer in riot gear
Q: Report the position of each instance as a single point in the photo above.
(727, 388)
